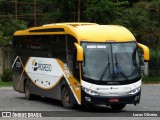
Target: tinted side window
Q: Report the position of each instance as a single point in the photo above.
(31, 46)
(58, 47)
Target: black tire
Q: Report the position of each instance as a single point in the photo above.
(28, 95)
(66, 101)
(117, 106)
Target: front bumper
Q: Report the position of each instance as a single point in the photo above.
(104, 100)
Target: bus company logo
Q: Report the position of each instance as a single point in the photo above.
(34, 65)
(38, 65)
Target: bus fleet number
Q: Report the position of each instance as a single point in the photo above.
(18, 64)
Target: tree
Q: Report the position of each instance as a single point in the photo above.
(7, 27)
(135, 19)
(154, 26)
(58, 11)
(143, 20)
(103, 11)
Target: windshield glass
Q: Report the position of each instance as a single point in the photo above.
(110, 61)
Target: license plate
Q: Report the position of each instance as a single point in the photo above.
(113, 100)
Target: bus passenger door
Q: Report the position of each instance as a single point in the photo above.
(71, 69)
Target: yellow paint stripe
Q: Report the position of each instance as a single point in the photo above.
(76, 87)
(26, 63)
(21, 62)
(19, 81)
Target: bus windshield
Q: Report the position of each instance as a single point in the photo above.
(110, 61)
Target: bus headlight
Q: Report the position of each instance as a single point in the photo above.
(89, 91)
(132, 92)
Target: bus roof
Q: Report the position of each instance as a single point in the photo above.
(90, 32)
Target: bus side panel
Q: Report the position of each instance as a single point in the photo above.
(46, 74)
(54, 92)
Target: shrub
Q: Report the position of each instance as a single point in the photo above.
(7, 75)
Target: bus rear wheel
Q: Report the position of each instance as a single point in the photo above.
(117, 106)
(28, 95)
(66, 101)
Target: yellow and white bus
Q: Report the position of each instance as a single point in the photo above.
(79, 63)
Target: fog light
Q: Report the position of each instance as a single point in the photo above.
(88, 99)
(137, 97)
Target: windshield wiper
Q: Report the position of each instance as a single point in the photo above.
(119, 70)
(106, 68)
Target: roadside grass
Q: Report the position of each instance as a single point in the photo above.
(5, 84)
(151, 79)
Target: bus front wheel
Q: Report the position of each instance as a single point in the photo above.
(117, 106)
(66, 101)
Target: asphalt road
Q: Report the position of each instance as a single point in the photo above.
(11, 100)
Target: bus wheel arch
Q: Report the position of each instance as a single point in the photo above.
(28, 95)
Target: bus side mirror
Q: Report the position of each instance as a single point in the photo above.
(145, 52)
(79, 52)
